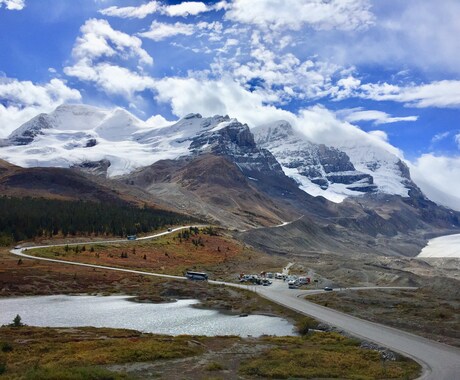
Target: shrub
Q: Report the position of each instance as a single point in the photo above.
(305, 324)
(214, 366)
(6, 347)
(2, 365)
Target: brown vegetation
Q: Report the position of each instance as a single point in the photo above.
(89, 353)
(220, 255)
(420, 312)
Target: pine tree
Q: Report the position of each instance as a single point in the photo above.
(17, 321)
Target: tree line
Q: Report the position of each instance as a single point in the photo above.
(26, 218)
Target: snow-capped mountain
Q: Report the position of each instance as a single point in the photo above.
(334, 172)
(75, 134)
(84, 136)
(114, 142)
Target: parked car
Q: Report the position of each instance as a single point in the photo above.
(304, 280)
(293, 284)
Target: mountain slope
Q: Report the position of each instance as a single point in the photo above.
(67, 184)
(211, 187)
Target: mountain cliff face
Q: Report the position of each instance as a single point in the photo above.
(316, 167)
(335, 172)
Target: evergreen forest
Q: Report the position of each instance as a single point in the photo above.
(26, 218)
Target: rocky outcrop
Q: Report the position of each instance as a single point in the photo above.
(234, 141)
(317, 163)
(98, 168)
(29, 131)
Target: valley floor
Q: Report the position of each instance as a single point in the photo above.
(81, 353)
(89, 353)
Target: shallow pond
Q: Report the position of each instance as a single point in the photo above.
(120, 312)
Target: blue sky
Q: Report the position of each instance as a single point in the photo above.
(390, 68)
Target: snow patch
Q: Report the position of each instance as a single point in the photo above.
(444, 246)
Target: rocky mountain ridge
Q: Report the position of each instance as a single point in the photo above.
(114, 142)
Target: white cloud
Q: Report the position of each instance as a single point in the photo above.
(110, 78)
(440, 94)
(457, 140)
(440, 136)
(22, 100)
(322, 126)
(185, 9)
(160, 31)
(99, 39)
(439, 178)
(294, 14)
(11, 5)
(378, 117)
(221, 5)
(227, 97)
(345, 87)
(416, 34)
(405, 35)
(132, 12)
(280, 76)
(210, 97)
(382, 135)
(92, 52)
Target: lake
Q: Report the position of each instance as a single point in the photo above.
(121, 312)
(443, 246)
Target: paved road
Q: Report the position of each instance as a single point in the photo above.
(20, 252)
(440, 362)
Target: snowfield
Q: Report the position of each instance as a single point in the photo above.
(444, 246)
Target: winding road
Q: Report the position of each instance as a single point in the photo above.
(439, 361)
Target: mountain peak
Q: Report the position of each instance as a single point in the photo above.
(81, 135)
(277, 131)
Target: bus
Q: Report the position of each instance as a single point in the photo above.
(198, 276)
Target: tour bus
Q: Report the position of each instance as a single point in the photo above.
(199, 276)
